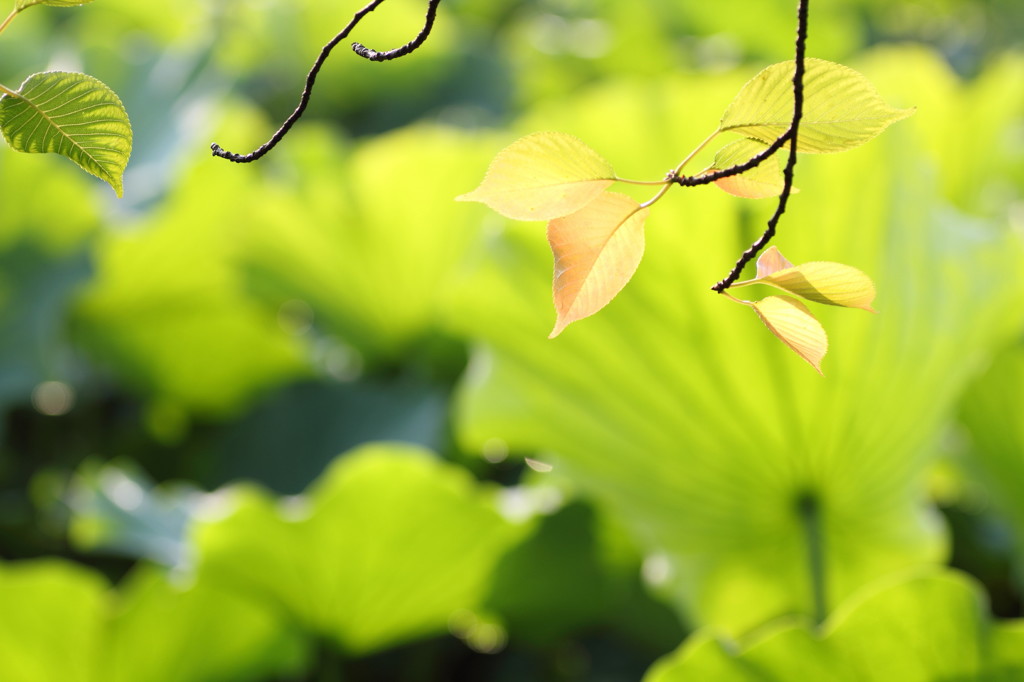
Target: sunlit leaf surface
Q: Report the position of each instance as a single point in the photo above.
(52, 606)
(842, 109)
(543, 176)
(596, 250)
(700, 430)
(831, 283)
(926, 628)
(793, 323)
(73, 115)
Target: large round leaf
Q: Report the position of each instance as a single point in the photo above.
(676, 407)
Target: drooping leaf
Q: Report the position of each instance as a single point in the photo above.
(543, 176)
(23, 4)
(597, 249)
(73, 115)
(820, 281)
(793, 323)
(760, 182)
(842, 109)
(932, 626)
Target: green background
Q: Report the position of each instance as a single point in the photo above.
(300, 419)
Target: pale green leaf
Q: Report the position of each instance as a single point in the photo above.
(543, 176)
(793, 323)
(24, 4)
(823, 282)
(597, 249)
(842, 109)
(73, 115)
(762, 181)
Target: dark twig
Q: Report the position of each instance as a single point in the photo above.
(313, 72)
(790, 136)
(375, 56)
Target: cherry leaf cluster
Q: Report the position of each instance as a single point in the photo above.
(597, 236)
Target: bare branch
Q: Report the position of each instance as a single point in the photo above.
(318, 64)
(789, 136)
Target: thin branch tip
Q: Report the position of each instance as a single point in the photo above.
(325, 52)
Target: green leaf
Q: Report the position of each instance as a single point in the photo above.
(164, 632)
(23, 4)
(543, 176)
(73, 115)
(597, 249)
(52, 606)
(693, 425)
(842, 109)
(929, 627)
(991, 411)
(384, 547)
(760, 182)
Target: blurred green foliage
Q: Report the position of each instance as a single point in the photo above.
(193, 378)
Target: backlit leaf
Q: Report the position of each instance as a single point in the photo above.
(793, 323)
(771, 261)
(842, 109)
(820, 281)
(597, 250)
(930, 626)
(543, 176)
(762, 181)
(74, 115)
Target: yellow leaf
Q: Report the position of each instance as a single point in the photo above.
(820, 281)
(842, 109)
(763, 181)
(771, 261)
(824, 282)
(597, 250)
(543, 176)
(792, 322)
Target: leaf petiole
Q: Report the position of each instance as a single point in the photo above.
(643, 182)
(679, 169)
(9, 19)
(7, 91)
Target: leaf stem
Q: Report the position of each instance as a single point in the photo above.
(809, 509)
(9, 19)
(642, 182)
(7, 91)
(672, 175)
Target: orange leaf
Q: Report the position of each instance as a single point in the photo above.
(771, 261)
(543, 176)
(793, 323)
(760, 182)
(597, 250)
